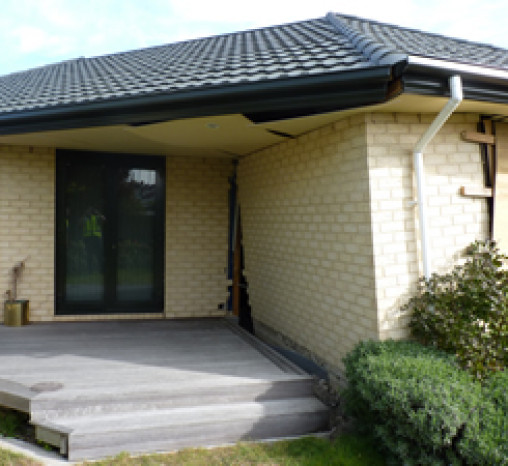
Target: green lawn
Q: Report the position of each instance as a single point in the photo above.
(7, 458)
(347, 450)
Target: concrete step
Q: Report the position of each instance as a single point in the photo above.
(97, 436)
(160, 396)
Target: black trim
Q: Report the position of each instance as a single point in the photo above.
(425, 85)
(486, 92)
(111, 162)
(320, 92)
(434, 82)
(346, 98)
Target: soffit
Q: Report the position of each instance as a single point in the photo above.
(229, 136)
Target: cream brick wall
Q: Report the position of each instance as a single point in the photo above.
(307, 239)
(27, 187)
(454, 221)
(330, 233)
(196, 236)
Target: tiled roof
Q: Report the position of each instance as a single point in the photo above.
(424, 44)
(292, 50)
(333, 44)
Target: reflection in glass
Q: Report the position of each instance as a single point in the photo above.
(136, 226)
(84, 219)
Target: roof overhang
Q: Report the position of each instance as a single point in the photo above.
(233, 121)
(229, 136)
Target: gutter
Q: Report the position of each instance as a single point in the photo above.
(456, 97)
(429, 76)
(310, 93)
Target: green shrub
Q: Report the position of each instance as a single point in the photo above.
(422, 407)
(487, 443)
(496, 389)
(465, 312)
(495, 422)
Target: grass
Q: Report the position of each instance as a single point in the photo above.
(8, 458)
(14, 425)
(347, 450)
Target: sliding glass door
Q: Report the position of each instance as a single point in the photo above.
(110, 233)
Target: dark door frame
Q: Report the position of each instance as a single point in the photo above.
(111, 163)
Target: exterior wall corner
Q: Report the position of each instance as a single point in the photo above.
(307, 239)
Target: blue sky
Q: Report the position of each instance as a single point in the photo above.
(38, 32)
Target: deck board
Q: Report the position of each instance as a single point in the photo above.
(141, 380)
(78, 355)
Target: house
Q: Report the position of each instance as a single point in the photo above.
(127, 178)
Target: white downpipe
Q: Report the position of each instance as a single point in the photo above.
(455, 99)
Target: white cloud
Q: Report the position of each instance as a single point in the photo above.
(30, 39)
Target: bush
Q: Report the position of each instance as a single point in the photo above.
(486, 443)
(496, 389)
(465, 312)
(422, 407)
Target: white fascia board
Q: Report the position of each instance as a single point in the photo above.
(461, 68)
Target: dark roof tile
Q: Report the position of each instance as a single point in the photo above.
(271, 53)
(332, 44)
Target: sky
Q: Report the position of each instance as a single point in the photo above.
(39, 32)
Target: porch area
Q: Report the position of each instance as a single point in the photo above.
(94, 389)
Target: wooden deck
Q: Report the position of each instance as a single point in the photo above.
(94, 389)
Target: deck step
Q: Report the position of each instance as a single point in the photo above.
(15, 396)
(97, 436)
(164, 396)
(96, 389)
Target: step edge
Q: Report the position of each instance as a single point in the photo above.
(311, 406)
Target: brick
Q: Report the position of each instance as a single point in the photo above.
(338, 247)
(196, 237)
(455, 221)
(29, 227)
(197, 191)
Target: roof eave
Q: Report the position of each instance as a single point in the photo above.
(427, 76)
(290, 97)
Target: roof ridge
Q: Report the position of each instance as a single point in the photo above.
(374, 51)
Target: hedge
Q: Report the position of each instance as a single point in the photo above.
(423, 408)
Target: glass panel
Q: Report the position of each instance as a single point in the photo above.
(84, 219)
(136, 228)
